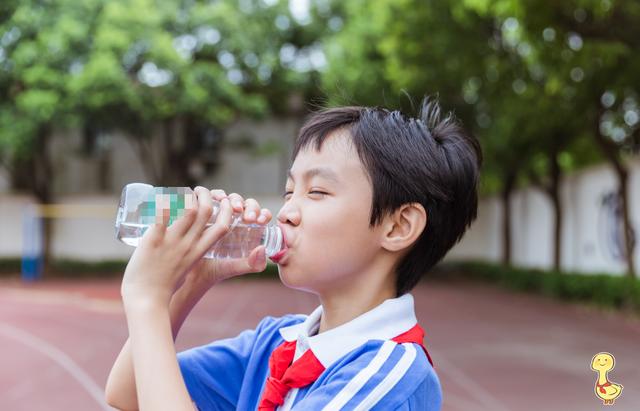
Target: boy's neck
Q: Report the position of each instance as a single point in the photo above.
(340, 308)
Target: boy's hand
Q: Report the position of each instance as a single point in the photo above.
(168, 257)
(165, 254)
(207, 272)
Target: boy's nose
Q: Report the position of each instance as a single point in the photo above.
(288, 215)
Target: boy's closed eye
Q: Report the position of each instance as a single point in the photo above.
(314, 192)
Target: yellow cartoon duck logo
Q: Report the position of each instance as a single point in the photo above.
(606, 390)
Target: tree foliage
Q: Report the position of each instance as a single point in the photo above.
(185, 69)
(180, 69)
(546, 87)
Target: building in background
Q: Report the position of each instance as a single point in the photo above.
(254, 161)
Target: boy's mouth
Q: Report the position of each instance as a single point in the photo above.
(277, 257)
(280, 254)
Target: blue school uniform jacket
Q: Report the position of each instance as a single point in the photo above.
(364, 368)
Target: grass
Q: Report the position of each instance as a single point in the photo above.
(65, 268)
(604, 290)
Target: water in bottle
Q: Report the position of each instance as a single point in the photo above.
(142, 205)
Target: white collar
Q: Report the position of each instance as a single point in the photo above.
(386, 321)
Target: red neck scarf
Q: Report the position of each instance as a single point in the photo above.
(286, 374)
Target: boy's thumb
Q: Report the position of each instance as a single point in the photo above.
(260, 260)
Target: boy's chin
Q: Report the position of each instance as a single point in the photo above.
(293, 279)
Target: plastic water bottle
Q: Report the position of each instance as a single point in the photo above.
(142, 205)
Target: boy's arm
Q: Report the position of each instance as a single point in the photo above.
(157, 268)
(159, 383)
(121, 385)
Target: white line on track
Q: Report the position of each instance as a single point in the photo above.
(59, 357)
(225, 320)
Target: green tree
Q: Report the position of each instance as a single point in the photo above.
(40, 44)
(447, 48)
(534, 81)
(539, 113)
(192, 68)
(591, 58)
(183, 69)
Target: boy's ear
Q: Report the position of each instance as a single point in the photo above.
(403, 227)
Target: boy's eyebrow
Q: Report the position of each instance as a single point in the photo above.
(318, 171)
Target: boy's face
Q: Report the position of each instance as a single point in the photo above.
(329, 238)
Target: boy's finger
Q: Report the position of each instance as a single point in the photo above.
(182, 224)
(218, 194)
(258, 259)
(216, 231)
(225, 215)
(204, 211)
(265, 216)
(237, 202)
(256, 262)
(153, 234)
(251, 210)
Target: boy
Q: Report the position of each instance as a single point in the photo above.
(373, 200)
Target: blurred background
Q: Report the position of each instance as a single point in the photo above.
(96, 94)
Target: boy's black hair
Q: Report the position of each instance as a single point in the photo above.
(430, 160)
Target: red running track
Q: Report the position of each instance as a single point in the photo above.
(493, 350)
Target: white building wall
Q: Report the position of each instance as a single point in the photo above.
(92, 238)
(591, 236)
(484, 239)
(531, 219)
(248, 171)
(11, 208)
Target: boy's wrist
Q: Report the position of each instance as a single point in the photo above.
(144, 306)
(190, 292)
(182, 302)
(145, 300)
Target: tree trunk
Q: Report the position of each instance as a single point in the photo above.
(507, 190)
(623, 181)
(166, 165)
(611, 153)
(171, 167)
(104, 173)
(177, 155)
(551, 188)
(143, 147)
(554, 193)
(93, 151)
(41, 188)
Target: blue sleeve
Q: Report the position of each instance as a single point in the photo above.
(214, 373)
(380, 376)
(427, 396)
